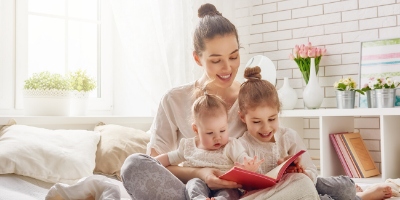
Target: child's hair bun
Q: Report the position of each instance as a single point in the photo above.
(252, 73)
(208, 9)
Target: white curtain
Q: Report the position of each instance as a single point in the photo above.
(154, 52)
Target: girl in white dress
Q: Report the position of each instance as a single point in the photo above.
(259, 107)
(212, 147)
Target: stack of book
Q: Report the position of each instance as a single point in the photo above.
(354, 155)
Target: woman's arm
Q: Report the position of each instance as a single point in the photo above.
(164, 160)
(208, 175)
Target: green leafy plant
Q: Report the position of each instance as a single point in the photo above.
(46, 81)
(80, 81)
(380, 83)
(347, 84)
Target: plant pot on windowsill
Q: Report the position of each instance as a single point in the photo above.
(46, 102)
(46, 94)
(81, 85)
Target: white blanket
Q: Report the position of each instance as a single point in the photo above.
(292, 186)
(94, 187)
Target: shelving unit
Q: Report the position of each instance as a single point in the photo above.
(342, 120)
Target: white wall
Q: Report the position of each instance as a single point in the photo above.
(273, 27)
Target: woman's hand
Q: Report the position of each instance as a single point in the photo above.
(210, 176)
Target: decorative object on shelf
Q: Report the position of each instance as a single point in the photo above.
(287, 95)
(346, 92)
(313, 94)
(81, 85)
(46, 94)
(379, 58)
(268, 70)
(384, 90)
(302, 57)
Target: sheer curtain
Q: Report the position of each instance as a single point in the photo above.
(153, 52)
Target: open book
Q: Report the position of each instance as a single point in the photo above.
(251, 180)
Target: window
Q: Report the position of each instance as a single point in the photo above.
(65, 35)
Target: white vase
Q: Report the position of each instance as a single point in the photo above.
(287, 96)
(79, 101)
(313, 94)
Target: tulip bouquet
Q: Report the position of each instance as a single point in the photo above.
(303, 55)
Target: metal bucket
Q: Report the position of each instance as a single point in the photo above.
(385, 98)
(371, 98)
(345, 99)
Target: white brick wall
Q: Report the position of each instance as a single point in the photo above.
(276, 26)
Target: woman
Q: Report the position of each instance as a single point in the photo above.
(216, 46)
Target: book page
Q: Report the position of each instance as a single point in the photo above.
(274, 172)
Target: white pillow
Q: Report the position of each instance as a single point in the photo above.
(56, 156)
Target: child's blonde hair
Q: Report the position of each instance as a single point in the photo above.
(257, 92)
(207, 104)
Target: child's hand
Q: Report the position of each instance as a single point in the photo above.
(250, 165)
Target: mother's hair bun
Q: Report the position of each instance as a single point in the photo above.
(208, 9)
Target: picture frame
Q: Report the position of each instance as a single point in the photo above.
(379, 58)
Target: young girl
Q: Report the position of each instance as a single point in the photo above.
(259, 107)
(211, 147)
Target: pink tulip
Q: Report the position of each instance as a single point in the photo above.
(303, 54)
(306, 48)
(311, 53)
(291, 57)
(302, 47)
(296, 49)
(309, 44)
(318, 52)
(323, 51)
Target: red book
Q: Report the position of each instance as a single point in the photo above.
(340, 155)
(251, 180)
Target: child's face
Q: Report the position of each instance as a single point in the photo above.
(262, 122)
(212, 131)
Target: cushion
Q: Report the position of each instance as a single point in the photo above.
(53, 156)
(116, 144)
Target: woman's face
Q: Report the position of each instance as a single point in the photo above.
(220, 60)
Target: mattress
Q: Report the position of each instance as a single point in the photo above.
(16, 187)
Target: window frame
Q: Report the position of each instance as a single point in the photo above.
(102, 105)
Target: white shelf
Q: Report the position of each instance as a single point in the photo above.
(342, 120)
(341, 112)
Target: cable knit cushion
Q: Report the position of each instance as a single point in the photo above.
(116, 144)
(54, 156)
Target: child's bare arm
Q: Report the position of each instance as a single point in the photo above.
(164, 160)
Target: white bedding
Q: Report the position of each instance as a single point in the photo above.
(15, 187)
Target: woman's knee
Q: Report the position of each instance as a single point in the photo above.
(134, 162)
(341, 187)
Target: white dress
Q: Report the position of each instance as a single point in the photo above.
(222, 158)
(173, 120)
(287, 142)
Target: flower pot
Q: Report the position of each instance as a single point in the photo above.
(371, 98)
(79, 101)
(385, 98)
(287, 96)
(313, 94)
(46, 102)
(345, 99)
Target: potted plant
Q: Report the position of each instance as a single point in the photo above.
(345, 93)
(307, 59)
(81, 85)
(46, 94)
(384, 90)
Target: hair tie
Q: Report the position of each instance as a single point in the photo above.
(254, 78)
(205, 92)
